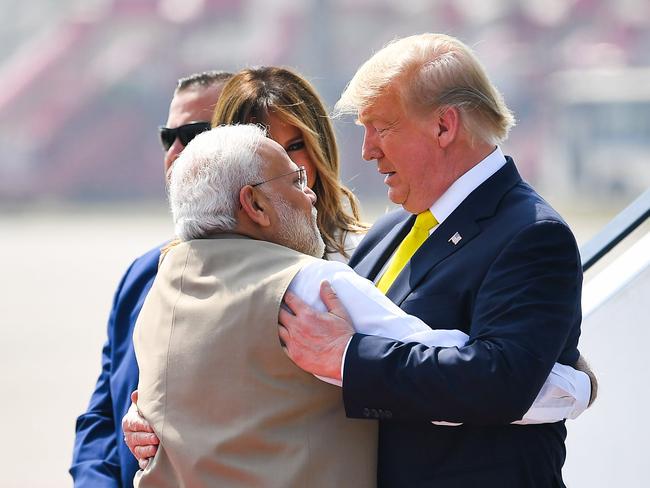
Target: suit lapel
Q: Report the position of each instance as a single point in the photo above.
(455, 232)
(436, 248)
(372, 263)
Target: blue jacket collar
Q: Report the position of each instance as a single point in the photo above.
(454, 233)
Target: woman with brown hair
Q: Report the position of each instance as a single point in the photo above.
(295, 117)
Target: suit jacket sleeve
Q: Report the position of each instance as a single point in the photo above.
(95, 459)
(524, 313)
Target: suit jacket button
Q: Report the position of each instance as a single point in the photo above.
(374, 413)
(366, 412)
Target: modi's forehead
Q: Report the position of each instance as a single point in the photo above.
(274, 154)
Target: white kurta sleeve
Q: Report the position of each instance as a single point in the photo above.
(565, 394)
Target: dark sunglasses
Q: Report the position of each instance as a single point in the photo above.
(185, 133)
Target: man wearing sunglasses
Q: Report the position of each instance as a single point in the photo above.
(100, 457)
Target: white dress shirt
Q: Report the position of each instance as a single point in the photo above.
(466, 184)
(565, 394)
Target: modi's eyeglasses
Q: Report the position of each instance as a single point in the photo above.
(185, 133)
(302, 178)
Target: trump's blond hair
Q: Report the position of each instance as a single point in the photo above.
(430, 72)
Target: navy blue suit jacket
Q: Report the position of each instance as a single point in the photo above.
(513, 283)
(101, 459)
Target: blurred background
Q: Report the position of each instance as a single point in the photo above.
(85, 83)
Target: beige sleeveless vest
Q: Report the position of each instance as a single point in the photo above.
(229, 407)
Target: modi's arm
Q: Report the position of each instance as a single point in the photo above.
(565, 392)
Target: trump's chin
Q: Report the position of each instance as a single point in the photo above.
(397, 195)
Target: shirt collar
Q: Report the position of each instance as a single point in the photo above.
(466, 184)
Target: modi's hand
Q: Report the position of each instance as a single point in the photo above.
(313, 340)
(138, 434)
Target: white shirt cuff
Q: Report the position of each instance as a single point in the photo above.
(332, 381)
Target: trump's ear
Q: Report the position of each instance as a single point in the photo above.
(447, 124)
(255, 205)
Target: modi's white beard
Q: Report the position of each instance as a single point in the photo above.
(298, 231)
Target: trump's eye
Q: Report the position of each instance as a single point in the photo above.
(383, 127)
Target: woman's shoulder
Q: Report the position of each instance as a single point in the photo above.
(350, 242)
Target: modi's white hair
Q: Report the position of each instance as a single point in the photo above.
(207, 177)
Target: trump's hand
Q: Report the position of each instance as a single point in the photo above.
(313, 340)
(138, 434)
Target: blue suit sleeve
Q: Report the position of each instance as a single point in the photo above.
(524, 318)
(95, 459)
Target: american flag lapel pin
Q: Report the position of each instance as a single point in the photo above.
(455, 239)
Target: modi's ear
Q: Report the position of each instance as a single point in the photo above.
(447, 125)
(255, 205)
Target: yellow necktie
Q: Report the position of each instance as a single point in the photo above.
(424, 222)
